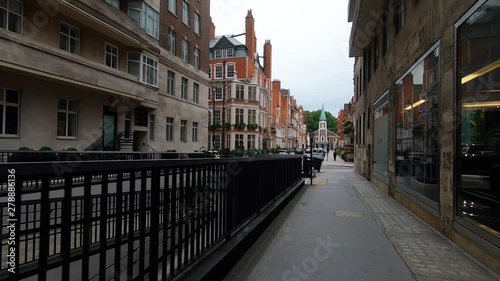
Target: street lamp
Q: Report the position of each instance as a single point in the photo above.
(311, 139)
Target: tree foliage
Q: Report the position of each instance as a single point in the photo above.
(313, 120)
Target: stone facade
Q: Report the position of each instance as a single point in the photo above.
(387, 43)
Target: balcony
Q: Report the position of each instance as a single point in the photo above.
(109, 21)
(25, 56)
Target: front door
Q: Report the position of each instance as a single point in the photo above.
(108, 128)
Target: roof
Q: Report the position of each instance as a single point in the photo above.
(323, 115)
(232, 40)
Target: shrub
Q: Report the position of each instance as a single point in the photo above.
(45, 148)
(240, 125)
(71, 149)
(24, 148)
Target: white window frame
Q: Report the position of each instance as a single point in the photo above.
(185, 13)
(172, 6)
(230, 74)
(252, 116)
(239, 140)
(147, 14)
(239, 115)
(196, 55)
(185, 50)
(228, 115)
(251, 141)
(217, 117)
(106, 53)
(196, 23)
(170, 129)
(8, 11)
(240, 91)
(209, 71)
(219, 69)
(194, 133)
(171, 41)
(145, 65)
(183, 134)
(67, 112)
(171, 80)
(218, 54)
(3, 105)
(196, 92)
(184, 88)
(70, 27)
(218, 93)
(252, 93)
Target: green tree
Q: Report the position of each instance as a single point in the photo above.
(313, 120)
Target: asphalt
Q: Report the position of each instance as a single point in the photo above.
(342, 228)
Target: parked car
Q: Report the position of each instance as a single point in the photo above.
(318, 152)
(299, 151)
(479, 159)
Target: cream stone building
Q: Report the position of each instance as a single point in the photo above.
(104, 75)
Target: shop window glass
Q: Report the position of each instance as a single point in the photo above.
(479, 104)
(417, 124)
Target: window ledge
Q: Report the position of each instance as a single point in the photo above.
(67, 138)
(9, 137)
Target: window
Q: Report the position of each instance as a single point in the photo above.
(252, 93)
(9, 112)
(70, 38)
(230, 70)
(194, 135)
(218, 93)
(209, 71)
(171, 83)
(171, 41)
(170, 129)
(144, 67)
(228, 115)
(239, 141)
(184, 88)
(147, 18)
(196, 62)
(219, 71)
(239, 115)
(252, 116)
(417, 125)
(152, 120)
(228, 140)
(224, 53)
(11, 15)
(399, 15)
(478, 118)
(216, 142)
(111, 56)
(250, 142)
(197, 23)
(240, 91)
(185, 50)
(375, 55)
(196, 93)
(385, 40)
(67, 118)
(183, 130)
(114, 3)
(172, 6)
(185, 13)
(217, 117)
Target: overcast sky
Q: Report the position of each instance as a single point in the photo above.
(310, 45)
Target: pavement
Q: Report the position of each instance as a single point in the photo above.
(342, 228)
(332, 161)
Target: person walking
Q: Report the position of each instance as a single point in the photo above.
(334, 155)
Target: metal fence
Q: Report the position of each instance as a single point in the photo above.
(129, 220)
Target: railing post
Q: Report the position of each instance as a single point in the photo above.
(154, 224)
(45, 231)
(66, 226)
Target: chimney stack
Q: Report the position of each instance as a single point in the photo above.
(268, 58)
(250, 39)
(212, 30)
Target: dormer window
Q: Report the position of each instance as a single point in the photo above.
(223, 53)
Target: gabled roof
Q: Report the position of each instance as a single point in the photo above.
(222, 42)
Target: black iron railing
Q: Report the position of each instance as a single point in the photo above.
(75, 220)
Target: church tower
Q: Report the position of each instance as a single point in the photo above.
(322, 129)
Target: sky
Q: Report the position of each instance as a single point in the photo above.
(310, 45)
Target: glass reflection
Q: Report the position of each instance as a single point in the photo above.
(381, 137)
(479, 91)
(417, 121)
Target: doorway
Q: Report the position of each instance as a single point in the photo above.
(108, 129)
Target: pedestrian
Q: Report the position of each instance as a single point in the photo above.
(335, 155)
